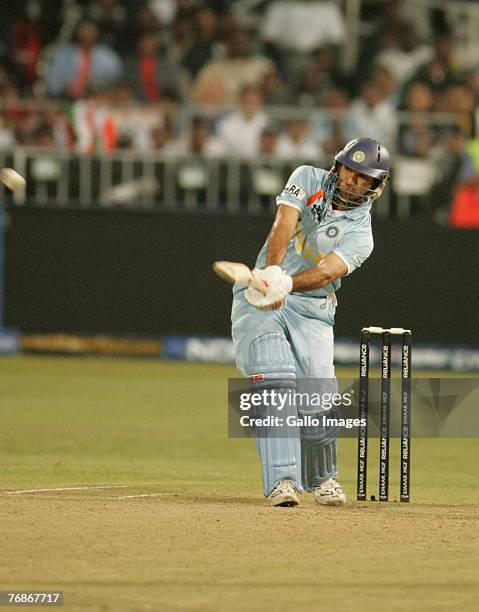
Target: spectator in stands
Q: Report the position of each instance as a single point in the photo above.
(318, 76)
(460, 98)
(12, 107)
(404, 53)
(274, 90)
(303, 26)
(416, 135)
(26, 46)
(166, 10)
(262, 180)
(387, 85)
(76, 67)
(455, 168)
(221, 80)
(110, 18)
(43, 136)
(153, 77)
(381, 16)
(25, 129)
(465, 206)
(205, 42)
(7, 135)
(197, 141)
(135, 122)
(441, 69)
(373, 114)
(464, 213)
(268, 140)
(162, 136)
(180, 36)
(334, 126)
(94, 122)
(296, 143)
(238, 134)
(19, 119)
(200, 137)
(142, 21)
(57, 119)
(471, 77)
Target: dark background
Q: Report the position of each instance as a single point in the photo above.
(150, 274)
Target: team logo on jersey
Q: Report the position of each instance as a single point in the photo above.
(295, 190)
(359, 156)
(332, 231)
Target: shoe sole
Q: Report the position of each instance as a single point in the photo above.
(286, 501)
(330, 502)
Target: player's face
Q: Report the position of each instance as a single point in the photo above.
(352, 184)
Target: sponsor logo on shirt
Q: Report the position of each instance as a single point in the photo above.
(295, 191)
(332, 231)
(316, 209)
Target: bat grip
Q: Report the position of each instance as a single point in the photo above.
(257, 284)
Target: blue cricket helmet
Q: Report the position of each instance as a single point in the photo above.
(366, 156)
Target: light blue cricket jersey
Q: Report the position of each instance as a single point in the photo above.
(321, 229)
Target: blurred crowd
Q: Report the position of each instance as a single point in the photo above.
(195, 77)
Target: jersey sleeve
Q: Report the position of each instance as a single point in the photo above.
(298, 189)
(355, 247)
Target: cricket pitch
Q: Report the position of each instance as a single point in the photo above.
(120, 487)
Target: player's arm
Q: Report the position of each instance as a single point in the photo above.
(279, 284)
(329, 269)
(353, 249)
(280, 235)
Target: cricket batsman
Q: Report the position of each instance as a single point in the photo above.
(322, 232)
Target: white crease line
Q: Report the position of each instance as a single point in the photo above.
(144, 495)
(19, 492)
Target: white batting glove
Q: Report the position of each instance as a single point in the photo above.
(278, 284)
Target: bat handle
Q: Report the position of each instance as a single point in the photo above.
(258, 284)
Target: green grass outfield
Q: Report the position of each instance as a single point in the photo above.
(201, 536)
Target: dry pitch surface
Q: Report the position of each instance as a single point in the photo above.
(171, 515)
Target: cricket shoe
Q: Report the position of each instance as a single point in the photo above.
(329, 493)
(284, 494)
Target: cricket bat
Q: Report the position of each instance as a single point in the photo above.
(234, 272)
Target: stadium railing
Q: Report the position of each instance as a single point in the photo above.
(155, 181)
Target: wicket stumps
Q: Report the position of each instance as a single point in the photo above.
(385, 411)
